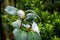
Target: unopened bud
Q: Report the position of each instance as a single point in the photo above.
(21, 14)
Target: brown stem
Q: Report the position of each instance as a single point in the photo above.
(6, 34)
(21, 23)
(2, 36)
(11, 37)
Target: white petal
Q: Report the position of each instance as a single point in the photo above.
(35, 27)
(27, 25)
(16, 23)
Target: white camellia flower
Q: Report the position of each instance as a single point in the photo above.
(21, 14)
(27, 25)
(16, 24)
(35, 27)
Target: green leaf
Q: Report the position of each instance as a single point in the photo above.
(11, 10)
(33, 36)
(24, 35)
(31, 16)
(19, 34)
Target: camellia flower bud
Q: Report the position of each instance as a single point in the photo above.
(21, 14)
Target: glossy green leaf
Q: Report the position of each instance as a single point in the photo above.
(19, 34)
(31, 16)
(11, 10)
(33, 36)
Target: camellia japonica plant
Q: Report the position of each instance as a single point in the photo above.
(24, 31)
